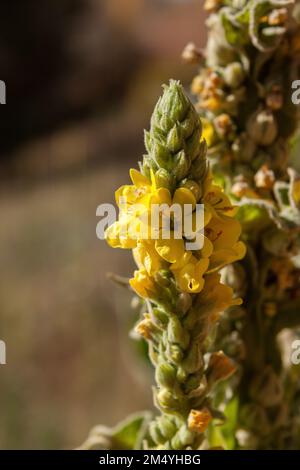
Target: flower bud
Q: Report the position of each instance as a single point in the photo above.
(164, 179)
(198, 421)
(194, 360)
(185, 436)
(167, 426)
(262, 127)
(155, 433)
(174, 139)
(165, 399)
(177, 334)
(165, 375)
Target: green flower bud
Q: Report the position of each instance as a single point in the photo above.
(181, 165)
(167, 426)
(194, 360)
(185, 436)
(177, 334)
(175, 353)
(165, 375)
(166, 400)
(173, 141)
(164, 179)
(155, 433)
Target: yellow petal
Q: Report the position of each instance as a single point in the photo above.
(161, 196)
(142, 284)
(170, 250)
(221, 258)
(207, 248)
(183, 260)
(138, 178)
(147, 257)
(184, 196)
(223, 232)
(190, 277)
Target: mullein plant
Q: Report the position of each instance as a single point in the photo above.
(180, 289)
(243, 91)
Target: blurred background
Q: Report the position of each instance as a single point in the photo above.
(82, 78)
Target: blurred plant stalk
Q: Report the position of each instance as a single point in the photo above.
(243, 90)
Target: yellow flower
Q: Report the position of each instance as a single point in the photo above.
(215, 297)
(216, 200)
(190, 276)
(224, 233)
(146, 256)
(136, 202)
(153, 249)
(143, 284)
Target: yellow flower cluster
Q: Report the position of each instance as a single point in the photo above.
(221, 245)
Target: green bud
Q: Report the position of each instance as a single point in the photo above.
(188, 125)
(185, 436)
(165, 375)
(192, 144)
(174, 139)
(181, 165)
(160, 315)
(165, 400)
(155, 433)
(164, 179)
(177, 334)
(167, 426)
(194, 360)
(174, 103)
(175, 353)
(160, 155)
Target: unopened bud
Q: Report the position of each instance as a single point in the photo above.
(191, 54)
(166, 400)
(177, 334)
(165, 375)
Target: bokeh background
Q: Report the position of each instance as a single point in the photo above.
(82, 78)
